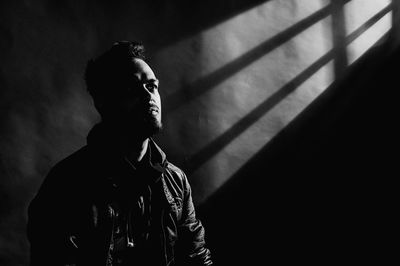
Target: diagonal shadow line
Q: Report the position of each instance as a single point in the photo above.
(194, 21)
(395, 14)
(201, 86)
(297, 129)
(195, 161)
(338, 27)
(219, 143)
(364, 27)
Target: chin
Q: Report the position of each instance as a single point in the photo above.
(151, 126)
(154, 127)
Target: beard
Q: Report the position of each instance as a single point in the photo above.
(136, 122)
(150, 126)
(142, 124)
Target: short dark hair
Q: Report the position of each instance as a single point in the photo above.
(103, 73)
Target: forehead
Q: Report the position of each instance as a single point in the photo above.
(141, 70)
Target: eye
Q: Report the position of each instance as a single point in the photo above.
(151, 86)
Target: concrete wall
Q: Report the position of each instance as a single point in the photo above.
(232, 75)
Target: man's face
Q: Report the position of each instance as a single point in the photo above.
(138, 104)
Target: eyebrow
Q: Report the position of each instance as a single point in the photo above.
(153, 80)
(136, 79)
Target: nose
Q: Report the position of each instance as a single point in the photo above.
(145, 92)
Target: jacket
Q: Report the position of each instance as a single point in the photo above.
(70, 220)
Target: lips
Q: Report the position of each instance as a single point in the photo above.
(152, 109)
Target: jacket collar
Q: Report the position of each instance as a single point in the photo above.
(102, 140)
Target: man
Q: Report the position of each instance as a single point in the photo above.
(118, 201)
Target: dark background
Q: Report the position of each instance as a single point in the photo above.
(321, 191)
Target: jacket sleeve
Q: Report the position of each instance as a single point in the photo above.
(47, 223)
(191, 232)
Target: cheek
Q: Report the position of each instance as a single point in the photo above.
(159, 104)
(128, 104)
(158, 99)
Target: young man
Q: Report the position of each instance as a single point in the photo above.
(118, 201)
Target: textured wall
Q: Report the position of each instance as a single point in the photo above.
(232, 76)
(235, 97)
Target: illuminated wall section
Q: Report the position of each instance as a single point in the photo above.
(235, 86)
(270, 62)
(373, 18)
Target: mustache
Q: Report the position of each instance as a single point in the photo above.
(151, 105)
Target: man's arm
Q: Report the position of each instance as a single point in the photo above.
(47, 222)
(191, 233)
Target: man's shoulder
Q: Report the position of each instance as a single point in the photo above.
(65, 173)
(77, 160)
(175, 169)
(177, 175)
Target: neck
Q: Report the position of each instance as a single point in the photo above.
(132, 144)
(135, 151)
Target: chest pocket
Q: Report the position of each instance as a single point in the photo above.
(175, 203)
(176, 207)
